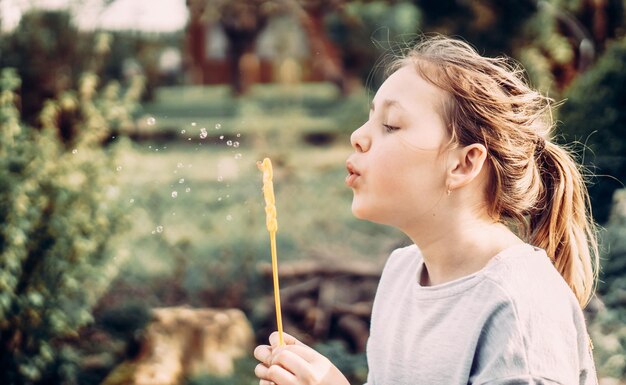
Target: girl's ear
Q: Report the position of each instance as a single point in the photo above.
(465, 164)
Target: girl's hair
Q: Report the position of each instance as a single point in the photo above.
(535, 184)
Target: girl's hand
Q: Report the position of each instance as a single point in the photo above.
(294, 364)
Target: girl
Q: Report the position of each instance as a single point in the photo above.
(456, 153)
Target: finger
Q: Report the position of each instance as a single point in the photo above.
(266, 382)
(261, 372)
(280, 375)
(288, 338)
(291, 361)
(306, 353)
(263, 353)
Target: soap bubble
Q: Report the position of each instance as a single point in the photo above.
(183, 131)
(239, 135)
(193, 124)
(220, 178)
(203, 133)
(159, 229)
(181, 180)
(221, 137)
(174, 194)
(74, 151)
(187, 189)
(218, 126)
(237, 156)
(151, 121)
(119, 168)
(229, 217)
(229, 143)
(235, 144)
(132, 201)
(179, 165)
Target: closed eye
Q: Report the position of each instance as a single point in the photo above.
(389, 128)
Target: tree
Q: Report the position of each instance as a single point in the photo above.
(48, 52)
(595, 114)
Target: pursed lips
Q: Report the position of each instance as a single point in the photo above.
(352, 176)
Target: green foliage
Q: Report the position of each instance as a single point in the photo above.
(353, 366)
(51, 54)
(595, 114)
(59, 212)
(48, 52)
(493, 26)
(243, 375)
(364, 29)
(127, 320)
(608, 329)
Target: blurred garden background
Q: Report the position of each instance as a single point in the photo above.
(133, 247)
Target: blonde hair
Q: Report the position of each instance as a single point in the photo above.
(535, 184)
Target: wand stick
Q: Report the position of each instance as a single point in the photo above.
(272, 227)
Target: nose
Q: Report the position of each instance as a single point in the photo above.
(360, 139)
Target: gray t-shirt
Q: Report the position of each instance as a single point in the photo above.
(514, 322)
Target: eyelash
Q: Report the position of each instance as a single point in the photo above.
(389, 128)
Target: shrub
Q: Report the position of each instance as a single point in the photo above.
(59, 211)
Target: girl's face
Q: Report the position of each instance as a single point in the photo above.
(397, 172)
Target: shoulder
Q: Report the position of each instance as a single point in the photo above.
(402, 259)
(535, 325)
(526, 278)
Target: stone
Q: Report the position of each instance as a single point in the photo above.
(184, 342)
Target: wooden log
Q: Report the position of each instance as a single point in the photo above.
(296, 269)
(356, 329)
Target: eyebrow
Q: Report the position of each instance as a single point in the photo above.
(387, 103)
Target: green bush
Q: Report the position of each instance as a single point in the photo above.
(59, 212)
(595, 114)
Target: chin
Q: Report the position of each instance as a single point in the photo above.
(363, 213)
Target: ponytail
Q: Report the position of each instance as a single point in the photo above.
(562, 225)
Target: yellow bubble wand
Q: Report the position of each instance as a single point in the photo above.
(272, 227)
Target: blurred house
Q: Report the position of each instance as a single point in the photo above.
(247, 42)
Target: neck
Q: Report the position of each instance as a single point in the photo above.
(456, 247)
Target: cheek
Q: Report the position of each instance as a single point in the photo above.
(418, 173)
